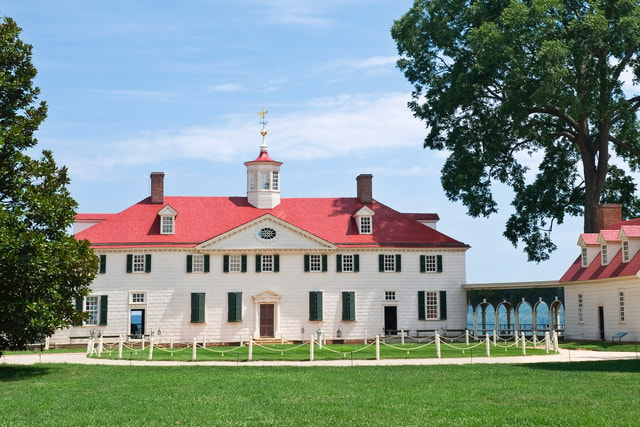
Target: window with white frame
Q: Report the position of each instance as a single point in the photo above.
(138, 297)
(625, 251)
(91, 308)
(264, 180)
(266, 263)
(365, 224)
(275, 180)
(430, 263)
(389, 263)
(585, 259)
(315, 263)
(621, 305)
(253, 181)
(138, 263)
(389, 295)
(580, 309)
(167, 225)
(197, 263)
(235, 263)
(603, 254)
(348, 263)
(431, 305)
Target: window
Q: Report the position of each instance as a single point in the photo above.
(267, 233)
(315, 305)
(198, 263)
(167, 224)
(625, 251)
(603, 254)
(365, 225)
(274, 180)
(264, 180)
(234, 263)
(234, 300)
(138, 298)
(348, 306)
(432, 305)
(348, 263)
(431, 263)
(102, 267)
(389, 295)
(580, 307)
(96, 308)
(138, 263)
(621, 305)
(253, 181)
(267, 263)
(197, 307)
(585, 259)
(389, 263)
(315, 263)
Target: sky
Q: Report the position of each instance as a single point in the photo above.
(140, 86)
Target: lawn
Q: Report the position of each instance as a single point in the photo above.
(583, 393)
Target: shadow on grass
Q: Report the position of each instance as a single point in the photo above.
(21, 373)
(632, 366)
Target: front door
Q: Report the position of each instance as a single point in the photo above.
(390, 320)
(601, 322)
(137, 323)
(267, 320)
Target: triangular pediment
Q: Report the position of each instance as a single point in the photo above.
(364, 211)
(266, 297)
(266, 232)
(168, 210)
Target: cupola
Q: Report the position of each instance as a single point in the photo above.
(263, 176)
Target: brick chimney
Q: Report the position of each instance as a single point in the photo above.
(157, 188)
(608, 214)
(365, 190)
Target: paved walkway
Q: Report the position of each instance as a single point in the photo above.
(562, 356)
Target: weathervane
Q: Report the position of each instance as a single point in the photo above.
(262, 113)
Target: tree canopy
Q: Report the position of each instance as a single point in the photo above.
(42, 267)
(502, 84)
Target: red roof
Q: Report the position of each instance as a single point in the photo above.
(202, 218)
(615, 268)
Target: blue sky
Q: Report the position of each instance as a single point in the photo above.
(153, 85)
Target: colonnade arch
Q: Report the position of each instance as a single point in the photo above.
(509, 310)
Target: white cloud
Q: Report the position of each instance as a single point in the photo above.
(226, 87)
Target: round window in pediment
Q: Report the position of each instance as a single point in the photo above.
(267, 233)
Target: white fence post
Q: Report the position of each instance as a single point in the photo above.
(120, 345)
(524, 345)
(547, 338)
(555, 341)
(466, 337)
(151, 348)
(193, 350)
(90, 347)
(437, 337)
(319, 333)
(100, 346)
(311, 343)
(402, 337)
(171, 341)
(377, 347)
(250, 356)
(142, 345)
(495, 338)
(488, 345)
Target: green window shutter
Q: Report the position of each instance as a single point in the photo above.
(79, 308)
(243, 259)
(315, 305)
(339, 263)
(380, 263)
(422, 312)
(306, 263)
(276, 263)
(348, 306)
(103, 264)
(104, 300)
(356, 263)
(325, 267)
(443, 305)
(423, 268)
(258, 263)
(439, 262)
(189, 263)
(234, 307)
(197, 307)
(225, 263)
(398, 263)
(129, 263)
(147, 263)
(206, 264)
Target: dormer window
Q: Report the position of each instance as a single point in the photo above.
(625, 251)
(585, 259)
(364, 220)
(603, 255)
(167, 220)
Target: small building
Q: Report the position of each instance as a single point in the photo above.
(602, 286)
(262, 266)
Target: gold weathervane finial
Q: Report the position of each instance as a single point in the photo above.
(262, 114)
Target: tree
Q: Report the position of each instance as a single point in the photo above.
(503, 83)
(42, 268)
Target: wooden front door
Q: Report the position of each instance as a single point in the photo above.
(267, 320)
(390, 320)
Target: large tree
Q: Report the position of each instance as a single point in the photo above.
(42, 267)
(502, 84)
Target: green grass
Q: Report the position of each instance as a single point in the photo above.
(328, 352)
(583, 393)
(600, 346)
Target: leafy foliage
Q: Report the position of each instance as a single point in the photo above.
(502, 84)
(42, 267)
